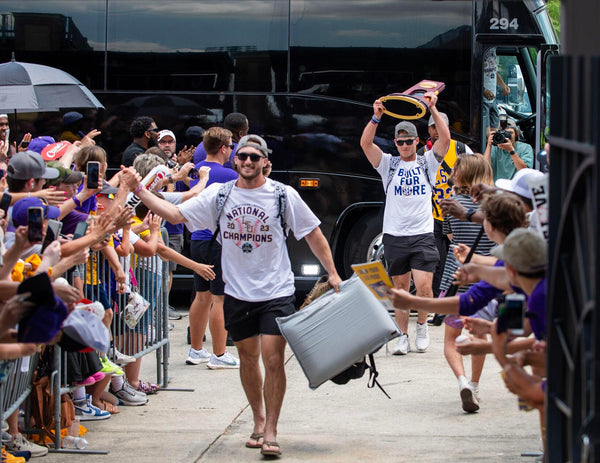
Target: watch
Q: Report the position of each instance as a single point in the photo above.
(470, 213)
(512, 152)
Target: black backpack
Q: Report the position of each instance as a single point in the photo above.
(357, 370)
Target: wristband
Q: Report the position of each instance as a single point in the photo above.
(374, 120)
(170, 177)
(470, 213)
(76, 201)
(138, 189)
(512, 152)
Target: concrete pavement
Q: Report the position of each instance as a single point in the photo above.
(423, 422)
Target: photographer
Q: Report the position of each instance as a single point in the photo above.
(505, 153)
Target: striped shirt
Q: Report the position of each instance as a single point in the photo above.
(463, 232)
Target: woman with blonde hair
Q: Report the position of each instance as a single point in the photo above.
(468, 170)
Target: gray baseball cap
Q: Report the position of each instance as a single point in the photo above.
(407, 127)
(525, 250)
(255, 142)
(444, 116)
(29, 164)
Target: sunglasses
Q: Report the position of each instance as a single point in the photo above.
(253, 157)
(229, 146)
(409, 142)
(2, 173)
(155, 129)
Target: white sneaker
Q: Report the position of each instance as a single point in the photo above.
(475, 387)
(127, 395)
(86, 411)
(119, 358)
(224, 361)
(403, 346)
(422, 338)
(196, 357)
(20, 444)
(470, 403)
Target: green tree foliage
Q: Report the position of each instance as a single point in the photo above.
(553, 7)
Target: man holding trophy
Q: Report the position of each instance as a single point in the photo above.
(409, 244)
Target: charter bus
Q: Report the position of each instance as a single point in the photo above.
(305, 72)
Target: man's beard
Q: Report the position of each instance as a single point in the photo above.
(152, 142)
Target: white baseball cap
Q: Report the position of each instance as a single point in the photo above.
(164, 133)
(518, 184)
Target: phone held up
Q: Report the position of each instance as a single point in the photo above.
(93, 173)
(52, 233)
(511, 314)
(80, 230)
(5, 202)
(35, 223)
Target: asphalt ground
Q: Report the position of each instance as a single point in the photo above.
(423, 421)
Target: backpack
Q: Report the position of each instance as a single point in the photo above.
(280, 199)
(357, 370)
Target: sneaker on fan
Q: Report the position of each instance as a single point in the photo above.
(20, 444)
(196, 357)
(86, 411)
(470, 403)
(119, 358)
(422, 338)
(222, 362)
(8, 457)
(95, 307)
(127, 395)
(402, 346)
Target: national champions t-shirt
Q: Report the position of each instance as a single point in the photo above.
(255, 261)
(408, 199)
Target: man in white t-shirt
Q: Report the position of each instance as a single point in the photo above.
(259, 283)
(408, 240)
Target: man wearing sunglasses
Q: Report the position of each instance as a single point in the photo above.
(259, 283)
(144, 133)
(409, 243)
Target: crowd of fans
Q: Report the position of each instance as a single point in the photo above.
(65, 180)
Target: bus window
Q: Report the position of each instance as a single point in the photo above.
(518, 98)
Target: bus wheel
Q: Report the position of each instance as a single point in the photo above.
(362, 241)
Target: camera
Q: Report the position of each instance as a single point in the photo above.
(171, 164)
(194, 173)
(501, 136)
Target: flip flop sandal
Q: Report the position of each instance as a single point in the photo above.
(147, 388)
(275, 451)
(110, 408)
(255, 436)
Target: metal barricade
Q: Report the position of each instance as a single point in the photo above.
(16, 385)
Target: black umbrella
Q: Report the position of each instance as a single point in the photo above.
(32, 88)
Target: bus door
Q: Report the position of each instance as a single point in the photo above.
(513, 32)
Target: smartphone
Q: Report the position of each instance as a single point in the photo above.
(24, 144)
(511, 314)
(5, 202)
(52, 232)
(35, 222)
(80, 230)
(93, 172)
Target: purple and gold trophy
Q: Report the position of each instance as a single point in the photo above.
(412, 103)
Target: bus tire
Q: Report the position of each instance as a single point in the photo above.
(360, 237)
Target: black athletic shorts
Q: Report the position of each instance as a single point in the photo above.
(206, 253)
(247, 319)
(406, 253)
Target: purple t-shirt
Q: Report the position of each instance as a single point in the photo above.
(89, 204)
(536, 310)
(200, 155)
(217, 174)
(478, 295)
(71, 220)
